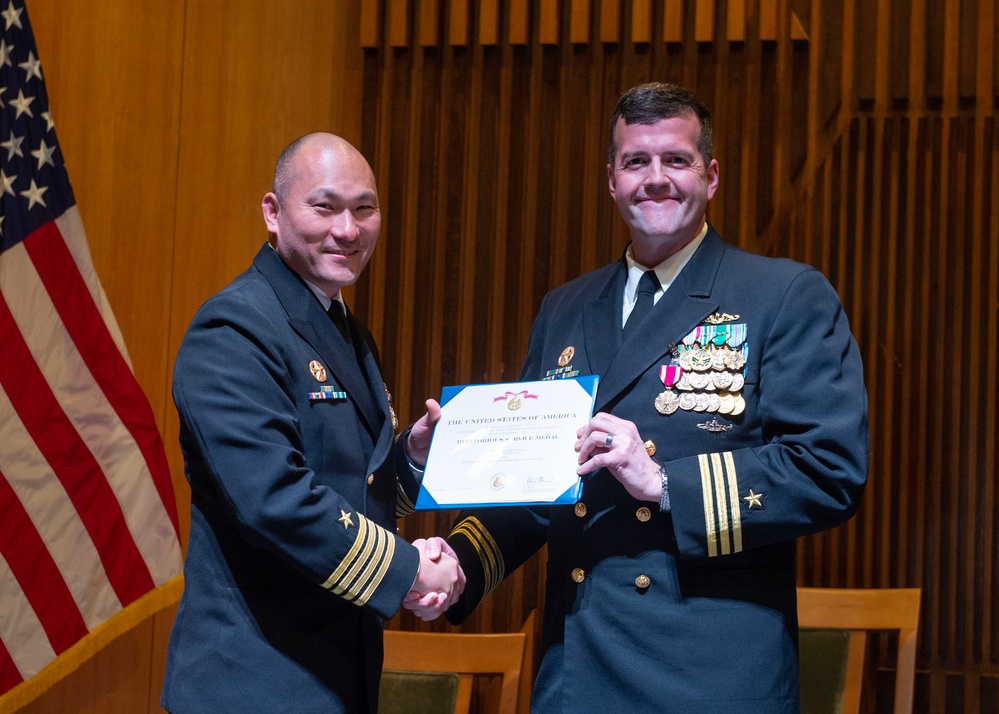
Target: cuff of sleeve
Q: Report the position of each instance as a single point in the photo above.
(409, 476)
(482, 562)
(377, 570)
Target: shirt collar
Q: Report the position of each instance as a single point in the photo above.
(666, 271)
(325, 299)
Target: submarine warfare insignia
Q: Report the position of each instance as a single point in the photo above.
(714, 426)
(720, 318)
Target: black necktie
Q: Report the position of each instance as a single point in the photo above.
(648, 286)
(339, 317)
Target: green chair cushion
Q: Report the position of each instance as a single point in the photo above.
(823, 669)
(405, 692)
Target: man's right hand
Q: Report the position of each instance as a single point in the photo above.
(439, 582)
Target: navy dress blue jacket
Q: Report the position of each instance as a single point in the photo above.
(293, 561)
(693, 609)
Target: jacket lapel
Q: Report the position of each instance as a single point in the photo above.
(378, 411)
(684, 306)
(602, 343)
(307, 318)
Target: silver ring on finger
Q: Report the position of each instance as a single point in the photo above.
(608, 440)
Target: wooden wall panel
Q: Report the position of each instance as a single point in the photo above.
(120, 176)
(921, 300)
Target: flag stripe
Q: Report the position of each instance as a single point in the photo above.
(65, 285)
(73, 463)
(57, 522)
(37, 574)
(9, 674)
(21, 632)
(77, 390)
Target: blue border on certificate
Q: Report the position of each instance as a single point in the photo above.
(426, 502)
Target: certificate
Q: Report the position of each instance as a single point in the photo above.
(507, 444)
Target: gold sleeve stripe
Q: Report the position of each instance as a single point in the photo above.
(403, 503)
(375, 572)
(733, 496)
(363, 568)
(709, 508)
(719, 482)
(488, 551)
(720, 493)
(493, 567)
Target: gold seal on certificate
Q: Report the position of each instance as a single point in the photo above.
(487, 452)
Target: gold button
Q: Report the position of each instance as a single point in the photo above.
(642, 581)
(578, 575)
(650, 447)
(371, 479)
(643, 514)
(580, 509)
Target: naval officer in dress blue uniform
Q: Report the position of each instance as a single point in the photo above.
(731, 418)
(296, 475)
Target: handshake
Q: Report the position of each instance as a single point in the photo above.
(439, 581)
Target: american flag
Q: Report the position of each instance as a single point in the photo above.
(88, 522)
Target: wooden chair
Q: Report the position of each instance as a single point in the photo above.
(858, 611)
(510, 655)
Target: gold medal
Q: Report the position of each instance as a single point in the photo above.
(722, 380)
(700, 380)
(700, 360)
(566, 356)
(687, 401)
(738, 382)
(318, 371)
(667, 403)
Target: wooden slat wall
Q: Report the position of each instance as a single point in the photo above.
(856, 136)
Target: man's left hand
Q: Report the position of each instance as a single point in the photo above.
(615, 444)
(418, 443)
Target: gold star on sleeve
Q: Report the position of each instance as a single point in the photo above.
(345, 519)
(753, 499)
